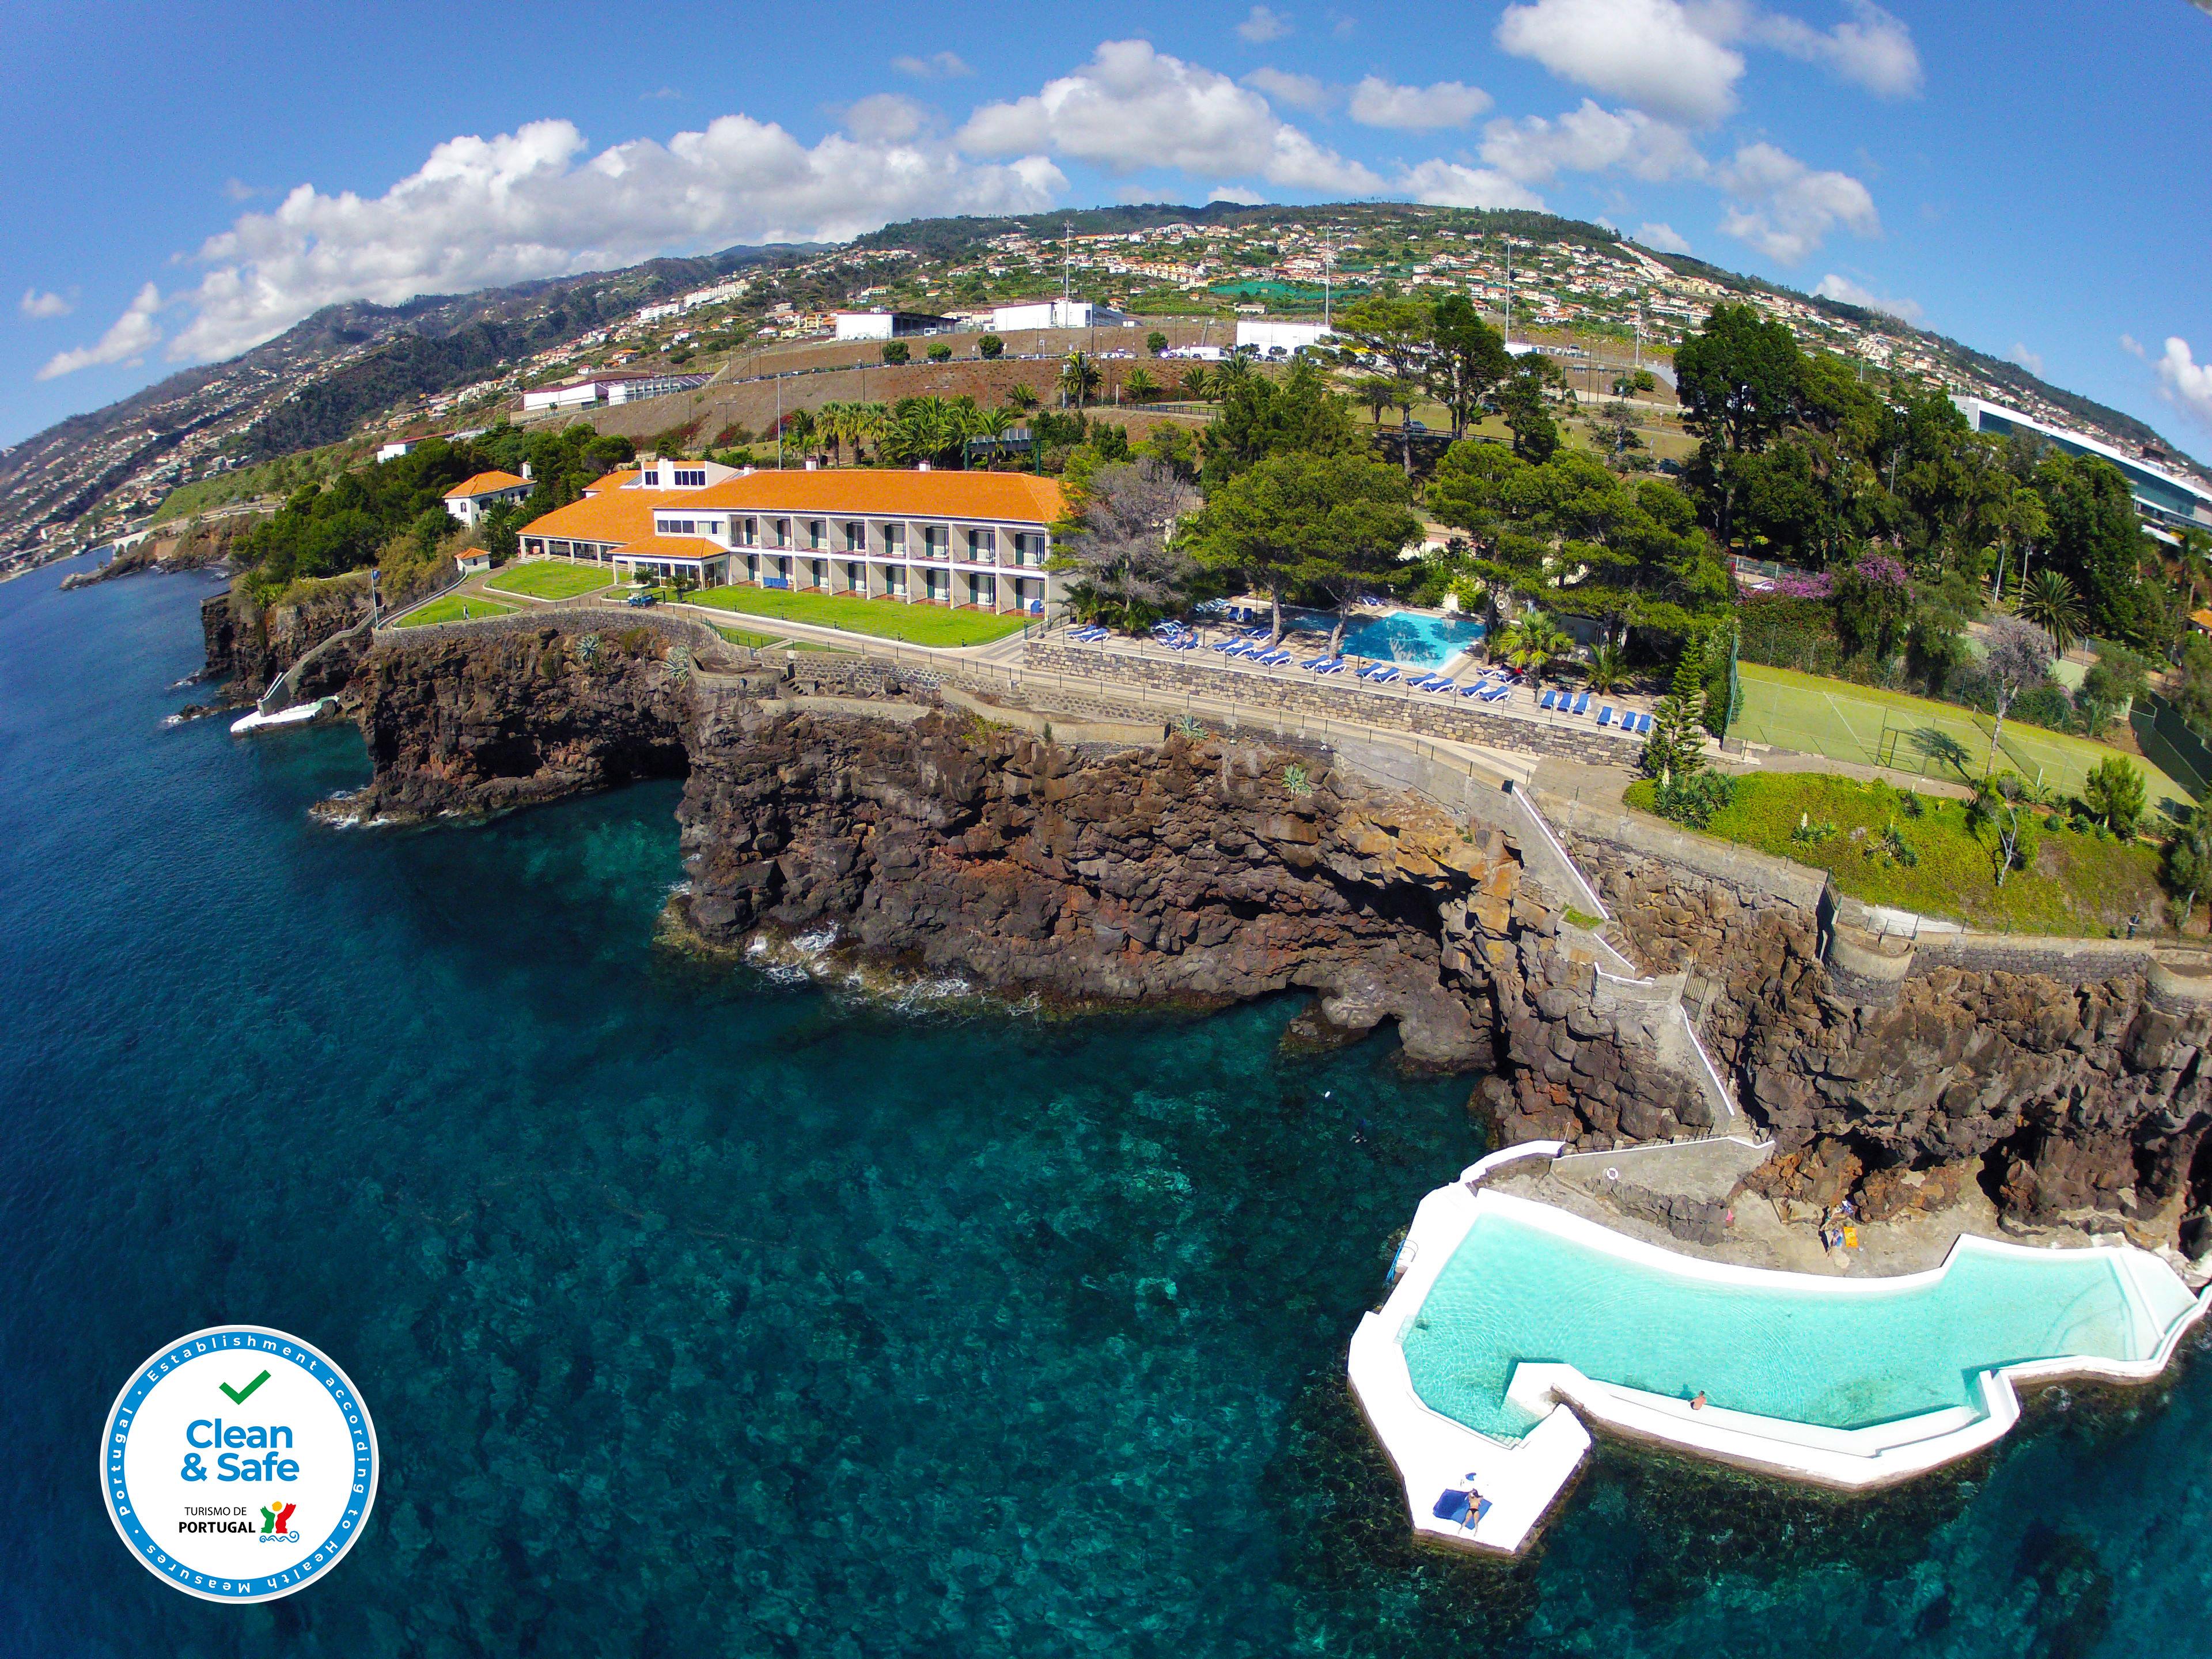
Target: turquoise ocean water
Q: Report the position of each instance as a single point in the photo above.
(702, 1314)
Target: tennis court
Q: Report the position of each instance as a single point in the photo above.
(1874, 727)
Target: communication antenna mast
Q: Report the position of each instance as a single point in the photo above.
(1508, 290)
(1066, 264)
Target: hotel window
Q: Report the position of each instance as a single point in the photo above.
(856, 578)
(856, 537)
(895, 540)
(820, 568)
(690, 477)
(650, 479)
(750, 536)
(676, 527)
(983, 546)
(936, 540)
(818, 533)
(783, 532)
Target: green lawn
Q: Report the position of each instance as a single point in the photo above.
(916, 624)
(450, 609)
(546, 578)
(2071, 883)
(1862, 723)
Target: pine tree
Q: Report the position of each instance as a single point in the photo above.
(1676, 747)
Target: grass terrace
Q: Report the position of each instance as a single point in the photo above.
(550, 579)
(2073, 883)
(887, 619)
(1874, 727)
(454, 607)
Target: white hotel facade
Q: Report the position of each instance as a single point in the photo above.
(975, 540)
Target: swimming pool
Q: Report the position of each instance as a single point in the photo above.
(1514, 1324)
(1408, 638)
(1839, 1354)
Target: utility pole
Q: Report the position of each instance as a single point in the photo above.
(1508, 290)
(779, 422)
(1328, 258)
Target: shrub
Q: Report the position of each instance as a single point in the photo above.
(895, 351)
(990, 346)
(940, 353)
(2115, 795)
(1692, 798)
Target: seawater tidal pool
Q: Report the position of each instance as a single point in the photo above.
(704, 1313)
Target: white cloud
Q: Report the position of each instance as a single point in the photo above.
(1592, 139)
(133, 335)
(2132, 346)
(535, 202)
(1447, 184)
(41, 305)
(1660, 238)
(1130, 107)
(1379, 103)
(1236, 193)
(1260, 26)
(1875, 51)
(2184, 381)
(884, 118)
(664, 93)
(938, 66)
(1835, 287)
(1784, 209)
(2030, 361)
(239, 190)
(1681, 60)
(1645, 52)
(1299, 91)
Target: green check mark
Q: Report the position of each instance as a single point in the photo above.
(238, 1395)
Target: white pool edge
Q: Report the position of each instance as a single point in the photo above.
(1523, 1480)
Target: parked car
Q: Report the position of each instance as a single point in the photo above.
(642, 598)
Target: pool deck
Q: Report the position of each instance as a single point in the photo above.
(1524, 1481)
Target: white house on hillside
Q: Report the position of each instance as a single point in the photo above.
(470, 499)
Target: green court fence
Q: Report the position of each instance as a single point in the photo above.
(2171, 744)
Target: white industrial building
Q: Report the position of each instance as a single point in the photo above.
(1057, 313)
(888, 325)
(613, 386)
(2162, 496)
(1269, 339)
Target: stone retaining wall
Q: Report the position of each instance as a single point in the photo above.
(570, 619)
(1457, 720)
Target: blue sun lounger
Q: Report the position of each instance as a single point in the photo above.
(1498, 692)
(1381, 674)
(1605, 715)
(1474, 687)
(1272, 658)
(1549, 700)
(1582, 704)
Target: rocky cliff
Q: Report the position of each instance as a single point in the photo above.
(1210, 871)
(249, 644)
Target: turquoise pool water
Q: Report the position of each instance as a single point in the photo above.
(1406, 637)
(1842, 1359)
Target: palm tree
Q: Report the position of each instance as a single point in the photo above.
(1021, 399)
(992, 423)
(800, 428)
(830, 427)
(1141, 386)
(1080, 379)
(1197, 383)
(1609, 667)
(2050, 602)
(1378, 394)
(1533, 642)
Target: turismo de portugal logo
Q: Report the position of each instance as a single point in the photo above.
(239, 1464)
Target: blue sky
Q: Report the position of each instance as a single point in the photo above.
(192, 179)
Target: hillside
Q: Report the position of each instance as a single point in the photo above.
(354, 374)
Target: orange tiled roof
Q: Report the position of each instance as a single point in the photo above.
(2203, 619)
(1021, 497)
(673, 547)
(486, 483)
(607, 514)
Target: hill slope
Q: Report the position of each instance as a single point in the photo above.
(459, 358)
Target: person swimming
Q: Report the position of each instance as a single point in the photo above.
(1698, 1401)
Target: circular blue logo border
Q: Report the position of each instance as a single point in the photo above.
(262, 1587)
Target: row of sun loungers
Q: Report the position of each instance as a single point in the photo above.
(1250, 645)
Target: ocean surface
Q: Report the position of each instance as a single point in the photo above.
(706, 1314)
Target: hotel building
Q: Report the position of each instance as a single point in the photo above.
(978, 540)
